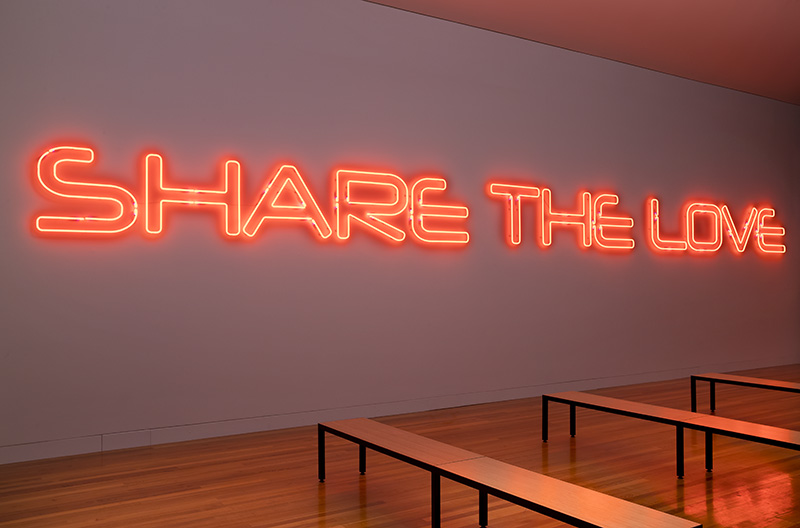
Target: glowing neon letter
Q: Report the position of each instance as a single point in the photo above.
(739, 241)
(513, 194)
(763, 231)
(373, 210)
(156, 194)
(694, 209)
(582, 220)
(47, 172)
(420, 210)
(273, 204)
(601, 221)
(653, 226)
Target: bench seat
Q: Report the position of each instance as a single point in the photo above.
(557, 499)
(732, 379)
(678, 418)
(765, 434)
(409, 447)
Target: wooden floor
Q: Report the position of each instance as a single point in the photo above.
(269, 479)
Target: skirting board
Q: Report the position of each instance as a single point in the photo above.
(181, 433)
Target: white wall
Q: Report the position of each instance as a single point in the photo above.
(107, 344)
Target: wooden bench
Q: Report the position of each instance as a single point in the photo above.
(557, 499)
(745, 381)
(711, 425)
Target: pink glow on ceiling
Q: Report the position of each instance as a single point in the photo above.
(750, 46)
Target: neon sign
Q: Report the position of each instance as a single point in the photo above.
(121, 199)
(381, 205)
(301, 206)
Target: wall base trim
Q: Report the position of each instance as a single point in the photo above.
(180, 433)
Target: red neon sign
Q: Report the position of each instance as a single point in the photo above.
(384, 206)
(299, 206)
(513, 195)
(422, 210)
(228, 199)
(94, 195)
(377, 203)
(617, 224)
(739, 237)
(721, 223)
(581, 220)
(371, 199)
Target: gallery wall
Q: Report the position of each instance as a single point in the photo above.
(113, 342)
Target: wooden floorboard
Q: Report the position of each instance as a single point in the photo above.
(269, 479)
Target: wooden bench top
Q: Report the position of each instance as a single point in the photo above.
(705, 422)
(748, 430)
(748, 381)
(558, 499)
(403, 443)
(647, 411)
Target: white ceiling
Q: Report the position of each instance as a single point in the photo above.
(747, 45)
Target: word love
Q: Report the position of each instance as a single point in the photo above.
(380, 204)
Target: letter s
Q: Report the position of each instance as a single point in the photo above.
(123, 207)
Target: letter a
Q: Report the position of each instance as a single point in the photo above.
(287, 197)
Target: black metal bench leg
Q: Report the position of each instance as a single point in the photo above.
(709, 451)
(362, 458)
(321, 452)
(436, 501)
(694, 394)
(483, 508)
(713, 396)
(572, 421)
(544, 419)
(679, 449)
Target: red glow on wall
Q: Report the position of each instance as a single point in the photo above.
(768, 236)
(287, 198)
(383, 206)
(713, 215)
(580, 219)
(70, 191)
(605, 224)
(705, 226)
(370, 199)
(739, 237)
(513, 194)
(423, 214)
(226, 197)
(659, 242)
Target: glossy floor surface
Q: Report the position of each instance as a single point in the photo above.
(269, 479)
